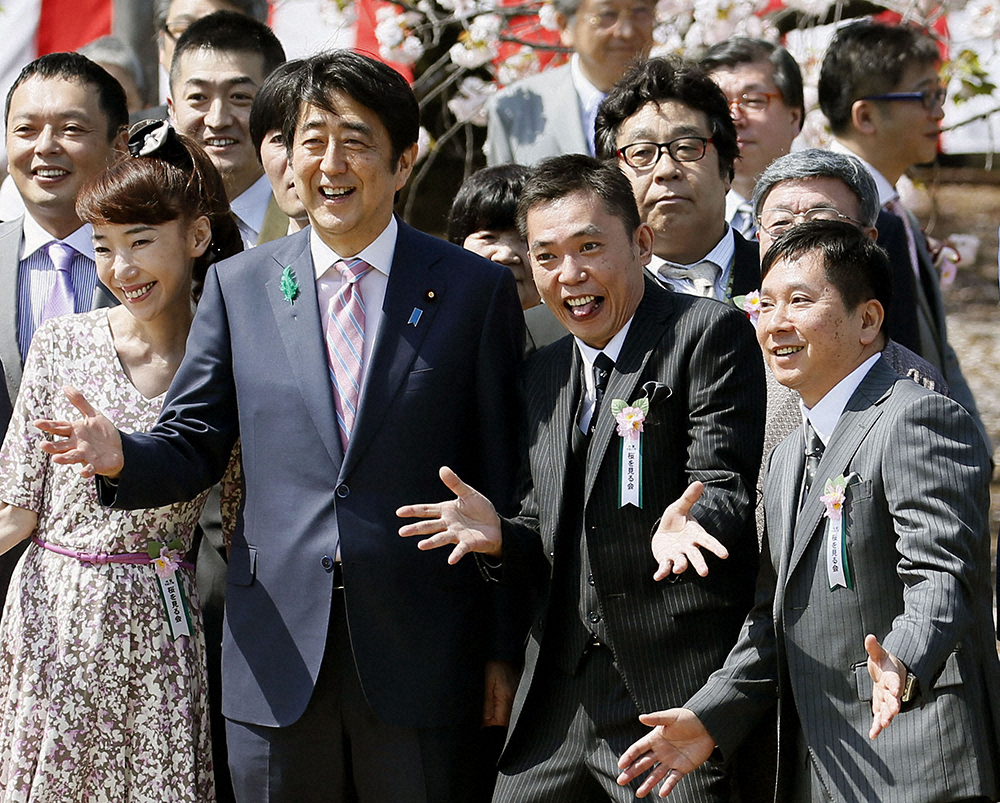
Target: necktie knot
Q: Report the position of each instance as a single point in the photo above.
(352, 269)
(603, 366)
(61, 255)
(702, 276)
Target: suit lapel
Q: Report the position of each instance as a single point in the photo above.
(562, 395)
(644, 335)
(569, 124)
(781, 497)
(302, 335)
(414, 284)
(862, 411)
(10, 351)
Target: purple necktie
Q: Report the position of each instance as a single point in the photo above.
(345, 343)
(61, 298)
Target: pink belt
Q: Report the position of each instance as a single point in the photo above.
(99, 558)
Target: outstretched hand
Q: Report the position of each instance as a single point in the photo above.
(469, 521)
(677, 744)
(678, 541)
(93, 442)
(888, 680)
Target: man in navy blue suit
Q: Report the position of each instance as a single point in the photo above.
(344, 644)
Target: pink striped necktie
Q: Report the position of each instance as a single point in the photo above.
(345, 342)
(61, 299)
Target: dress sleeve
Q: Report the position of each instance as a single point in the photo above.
(24, 467)
(231, 494)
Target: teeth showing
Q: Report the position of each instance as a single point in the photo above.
(785, 350)
(51, 172)
(220, 142)
(338, 192)
(581, 301)
(130, 294)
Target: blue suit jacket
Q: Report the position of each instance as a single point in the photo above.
(442, 392)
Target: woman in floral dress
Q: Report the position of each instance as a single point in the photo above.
(103, 694)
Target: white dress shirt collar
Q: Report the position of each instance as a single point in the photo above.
(886, 192)
(589, 354)
(590, 98)
(378, 253)
(35, 237)
(250, 207)
(825, 414)
(722, 255)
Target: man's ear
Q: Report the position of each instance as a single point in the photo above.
(865, 117)
(872, 318)
(404, 166)
(120, 145)
(644, 242)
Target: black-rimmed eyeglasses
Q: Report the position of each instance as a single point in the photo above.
(647, 154)
(929, 98)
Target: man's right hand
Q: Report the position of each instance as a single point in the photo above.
(677, 744)
(92, 442)
(469, 521)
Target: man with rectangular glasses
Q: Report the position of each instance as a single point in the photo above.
(879, 87)
(667, 124)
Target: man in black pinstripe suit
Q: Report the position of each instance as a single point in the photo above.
(637, 605)
(873, 615)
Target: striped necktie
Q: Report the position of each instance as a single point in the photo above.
(345, 341)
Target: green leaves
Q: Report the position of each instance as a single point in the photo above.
(289, 285)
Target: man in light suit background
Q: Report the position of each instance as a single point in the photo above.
(553, 113)
(66, 120)
(219, 63)
(627, 616)
(355, 666)
(880, 90)
(873, 623)
(763, 85)
(668, 127)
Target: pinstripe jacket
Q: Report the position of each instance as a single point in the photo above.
(917, 531)
(668, 636)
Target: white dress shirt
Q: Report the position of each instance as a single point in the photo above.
(825, 414)
(721, 255)
(590, 98)
(250, 207)
(589, 354)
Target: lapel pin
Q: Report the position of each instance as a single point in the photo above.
(415, 316)
(430, 295)
(289, 285)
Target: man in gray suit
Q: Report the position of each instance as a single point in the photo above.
(553, 113)
(641, 444)
(66, 120)
(873, 623)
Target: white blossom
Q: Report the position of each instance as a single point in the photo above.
(469, 105)
(521, 64)
(548, 17)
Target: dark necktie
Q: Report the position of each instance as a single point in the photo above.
(603, 366)
(814, 453)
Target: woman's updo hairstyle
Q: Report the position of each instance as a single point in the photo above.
(166, 176)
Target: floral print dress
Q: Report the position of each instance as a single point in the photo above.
(97, 701)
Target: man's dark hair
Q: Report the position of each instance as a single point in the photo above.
(663, 79)
(869, 58)
(258, 9)
(487, 200)
(229, 32)
(275, 101)
(74, 67)
(745, 50)
(560, 176)
(853, 263)
(371, 83)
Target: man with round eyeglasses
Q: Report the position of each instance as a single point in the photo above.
(668, 126)
(763, 85)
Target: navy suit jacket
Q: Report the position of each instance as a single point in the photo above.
(441, 392)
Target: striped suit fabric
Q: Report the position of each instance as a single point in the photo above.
(698, 361)
(918, 550)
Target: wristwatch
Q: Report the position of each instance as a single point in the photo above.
(910, 688)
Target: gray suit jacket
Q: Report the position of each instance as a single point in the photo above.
(706, 423)
(536, 118)
(10, 351)
(918, 543)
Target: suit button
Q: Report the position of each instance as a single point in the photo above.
(541, 624)
(327, 563)
(594, 617)
(552, 554)
(590, 579)
(343, 491)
